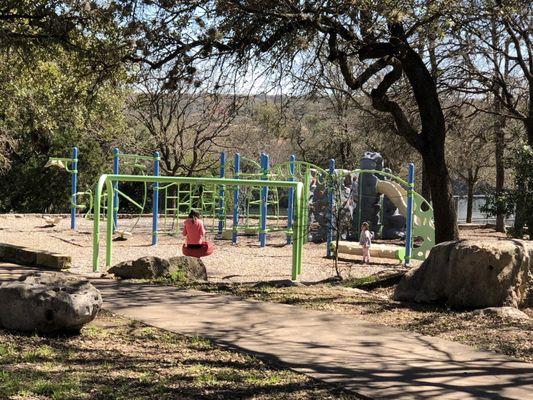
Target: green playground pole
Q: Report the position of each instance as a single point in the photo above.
(297, 237)
(96, 220)
(410, 206)
(304, 209)
(110, 226)
(222, 193)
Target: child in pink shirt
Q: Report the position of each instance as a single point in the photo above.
(194, 231)
(195, 244)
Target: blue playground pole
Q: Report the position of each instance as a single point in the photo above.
(264, 201)
(236, 173)
(290, 206)
(410, 204)
(222, 202)
(116, 164)
(74, 187)
(329, 235)
(155, 200)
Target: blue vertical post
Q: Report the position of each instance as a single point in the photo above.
(73, 187)
(155, 200)
(264, 201)
(290, 206)
(410, 205)
(236, 173)
(331, 204)
(222, 193)
(116, 168)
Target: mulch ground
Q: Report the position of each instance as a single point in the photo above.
(244, 262)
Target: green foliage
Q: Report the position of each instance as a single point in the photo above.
(62, 76)
(523, 167)
(49, 104)
(495, 204)
(178, 276)
(519, 200)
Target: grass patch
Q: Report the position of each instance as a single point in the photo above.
(116, 358)
(360, 282)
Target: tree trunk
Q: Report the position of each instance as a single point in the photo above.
(520, 217)
(469, 197)
(443, 205)
(426, 189)
(529, 120)
(430, 143)
(500, 170)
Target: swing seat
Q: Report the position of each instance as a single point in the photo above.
(204, 251)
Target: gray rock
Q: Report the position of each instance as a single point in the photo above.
(180, 268)
(192, 268)
(472, 274)
(142, 268)
(48, 302)
(503, 313)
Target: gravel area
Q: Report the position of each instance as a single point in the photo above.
(245, 262)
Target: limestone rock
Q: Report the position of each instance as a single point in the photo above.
(192, 268)
(48, 302)
(472, 274)
(142, 268)
(33, 257)
(178, 268)
(503, 313)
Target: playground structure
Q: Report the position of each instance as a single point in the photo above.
(393, 209)
(389, 203)
(109, 182)
(121, 161)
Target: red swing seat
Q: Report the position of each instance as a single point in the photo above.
(204, 251)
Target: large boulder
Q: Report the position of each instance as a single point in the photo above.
(180, 268)
(472, 274)
(48, 302)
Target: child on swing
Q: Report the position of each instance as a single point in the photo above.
(365, 240)
(194, 233)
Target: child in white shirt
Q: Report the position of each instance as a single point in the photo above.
(365, 240)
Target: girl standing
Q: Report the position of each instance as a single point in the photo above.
(365, 240)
